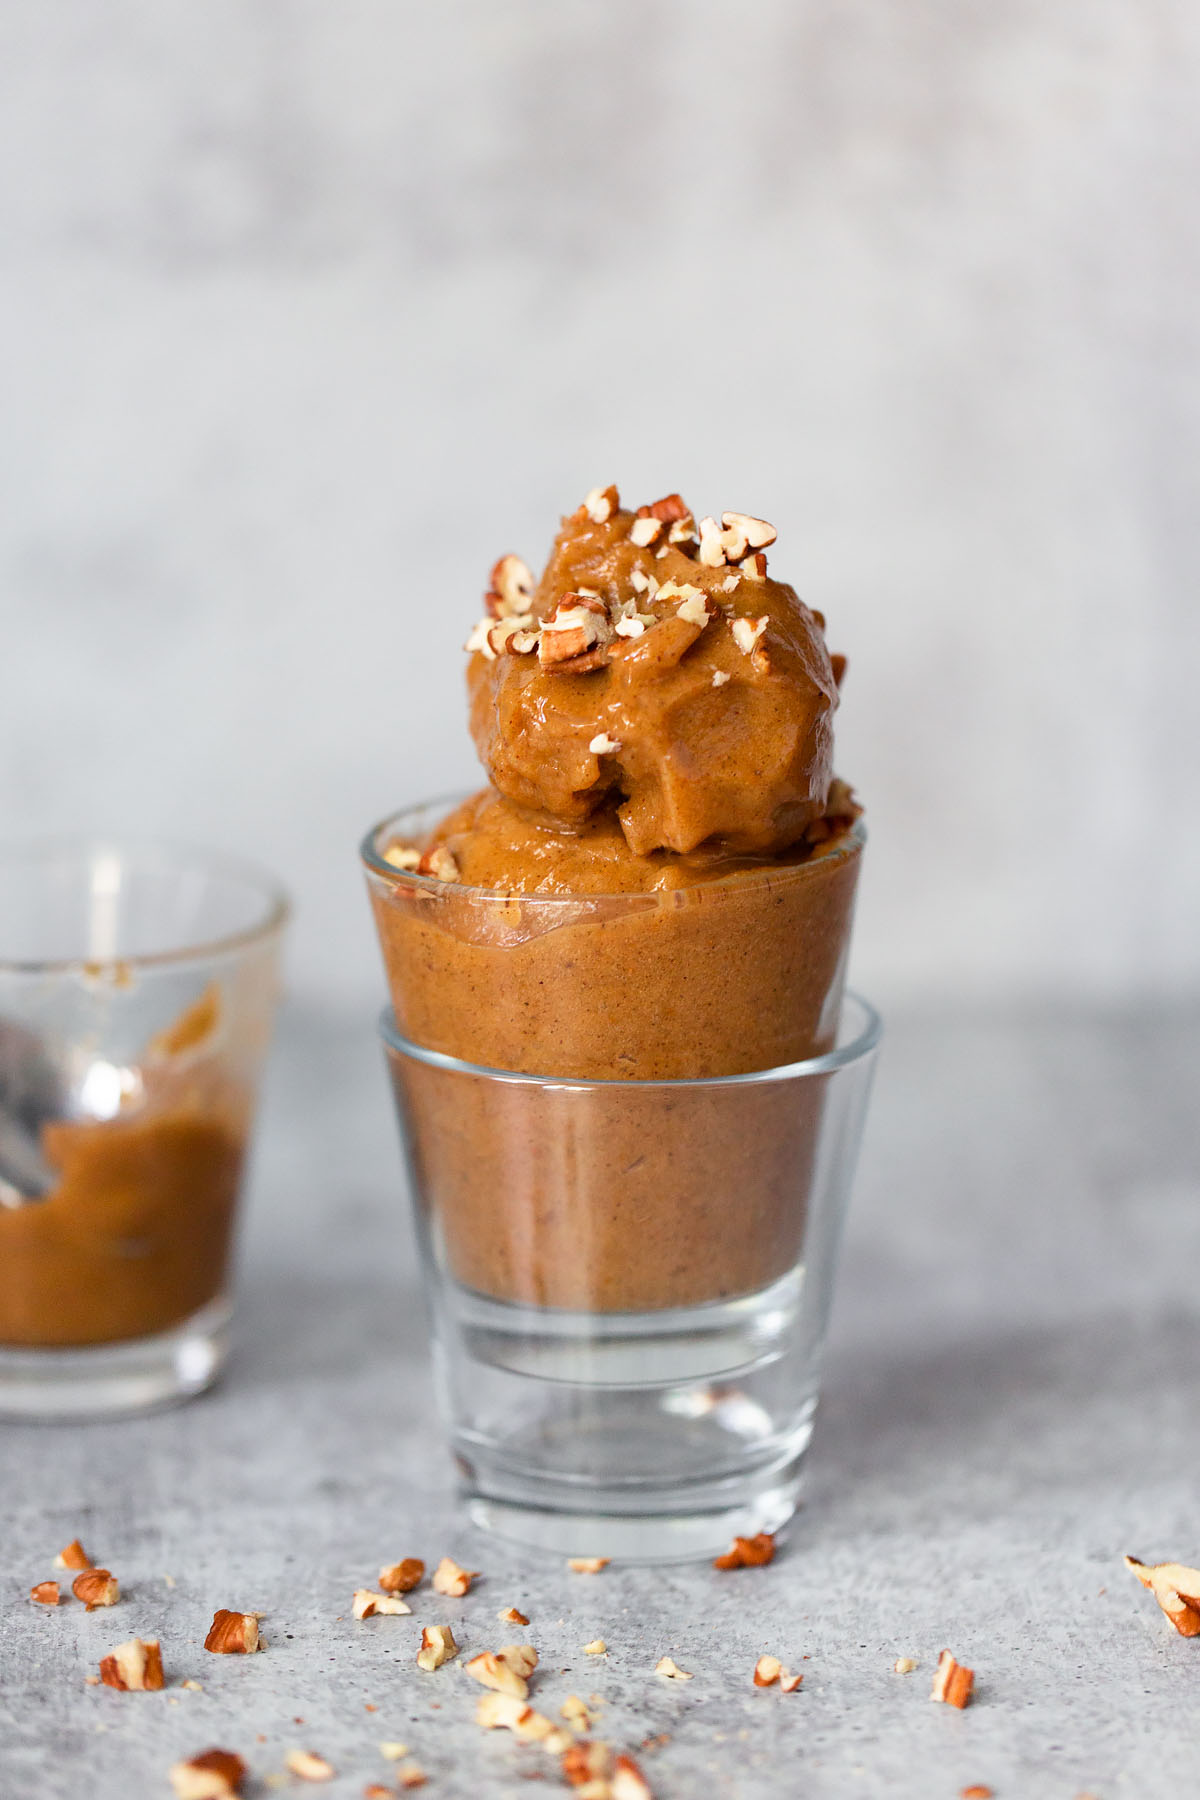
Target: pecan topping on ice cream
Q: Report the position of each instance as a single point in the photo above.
(669, 642)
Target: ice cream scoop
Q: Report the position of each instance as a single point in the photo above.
(656, 669)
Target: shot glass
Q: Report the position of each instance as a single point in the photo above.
(630, 1123)
(137, 991)
(664, 1426)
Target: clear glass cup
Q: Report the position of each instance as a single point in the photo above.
(663, 1427)
(629, 1150)
(137, 991)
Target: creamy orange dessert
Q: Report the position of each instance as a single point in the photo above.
(657, 885)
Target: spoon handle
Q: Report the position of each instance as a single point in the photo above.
(25, 1175)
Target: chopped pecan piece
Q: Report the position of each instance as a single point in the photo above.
(733, 540)
(601, 503)
(904, 1665)
(366, 1604)
(232, 1633)
(411, 1775)
(503, 1712)
(599, 658)
(668, 1667)
(439, 862)
(712, 550)
(576, 626)
(510, 1616)
(45, 1593)
(628, 622)
(952, 1681)
(754, 568)
(135, 1667)
(510, 588)
(748, 1553)
(587, 1565)
(480, 639)
(597, 1647)
(402, 856)
(562, 645)
(758, 535)
(767, 1671)
(718, 546)
(402, 1577)
(694, 609)
(746, 632)
(437, 1647)
(645, 531)
(1177, 1590)
(96, 1587)
(519, 635)
(521, 1657)
(628, 1782)
(73, 1557)
(491, 1671)
(451, 1578)
(505, 1671)
(587, 1765)
(672, 509)
(213, 1775)
(309, 1766)
(576, 1713)
(509, 1713)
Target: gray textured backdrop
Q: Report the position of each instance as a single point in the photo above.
(309, 310)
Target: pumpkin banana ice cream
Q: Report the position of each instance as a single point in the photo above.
(657, 885)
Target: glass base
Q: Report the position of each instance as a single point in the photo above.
(644, 1436)
(106, 1380)
(654, 1526)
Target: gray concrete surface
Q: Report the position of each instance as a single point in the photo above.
(1012, 1395)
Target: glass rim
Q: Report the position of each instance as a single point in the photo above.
(864, 1043)
(854, 838)
(171, 853)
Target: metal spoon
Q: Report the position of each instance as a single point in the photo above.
(32, 1092)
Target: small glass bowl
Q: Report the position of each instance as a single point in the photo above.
(137, 992)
